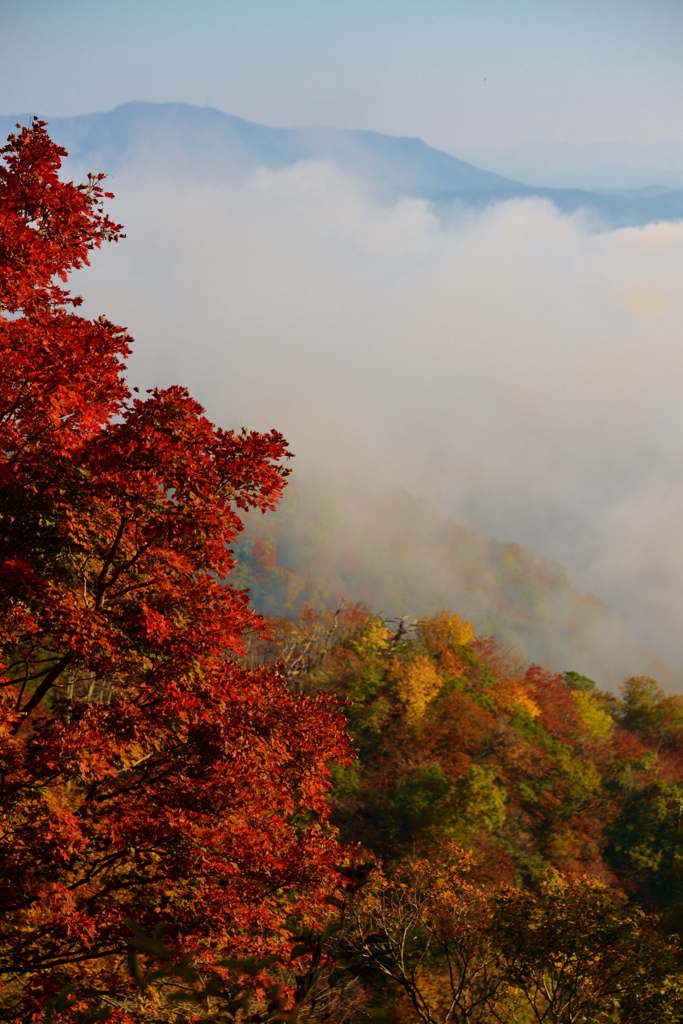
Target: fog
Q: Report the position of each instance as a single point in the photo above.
(521, 369)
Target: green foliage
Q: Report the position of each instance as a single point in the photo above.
(480, 805)
(414, 806)
(579, 682)
(639, 842)
(598, 722)
(646, 709)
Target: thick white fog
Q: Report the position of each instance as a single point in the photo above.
(521, 368)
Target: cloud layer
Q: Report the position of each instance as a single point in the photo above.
(520, 368)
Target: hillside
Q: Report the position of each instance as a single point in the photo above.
(456, 742)
(207, 142)
(341, 536)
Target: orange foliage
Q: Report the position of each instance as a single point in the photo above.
(512, 696)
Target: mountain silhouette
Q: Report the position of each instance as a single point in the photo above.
(205, 141)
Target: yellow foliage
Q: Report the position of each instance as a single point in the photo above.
(511, 696)
(597, 721)
(374, 638)
(417, 683)
(443, 630)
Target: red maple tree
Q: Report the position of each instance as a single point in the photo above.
(144, 772)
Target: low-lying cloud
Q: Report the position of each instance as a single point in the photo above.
(518, 367)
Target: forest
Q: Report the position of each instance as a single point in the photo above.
(212, 815)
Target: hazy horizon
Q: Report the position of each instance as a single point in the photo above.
(601, 166)
(465, 75)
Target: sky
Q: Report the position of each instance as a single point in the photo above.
(460, 74)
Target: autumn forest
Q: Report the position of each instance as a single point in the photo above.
(212, 815)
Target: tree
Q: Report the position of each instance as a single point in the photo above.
(462, 952)
(144, 773)
(426, 930)
(573, 954)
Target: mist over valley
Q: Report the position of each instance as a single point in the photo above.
(511, 354)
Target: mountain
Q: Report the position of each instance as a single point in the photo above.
(204, 141)
(341, 536)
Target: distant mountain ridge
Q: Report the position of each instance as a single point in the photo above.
(207, 141)
(214, 139)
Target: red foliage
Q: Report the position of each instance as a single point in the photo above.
(554, 698)
(265, 554)
(453, 731)
(627, 745)
(143, 773)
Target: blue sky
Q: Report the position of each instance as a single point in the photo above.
(458, 73)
